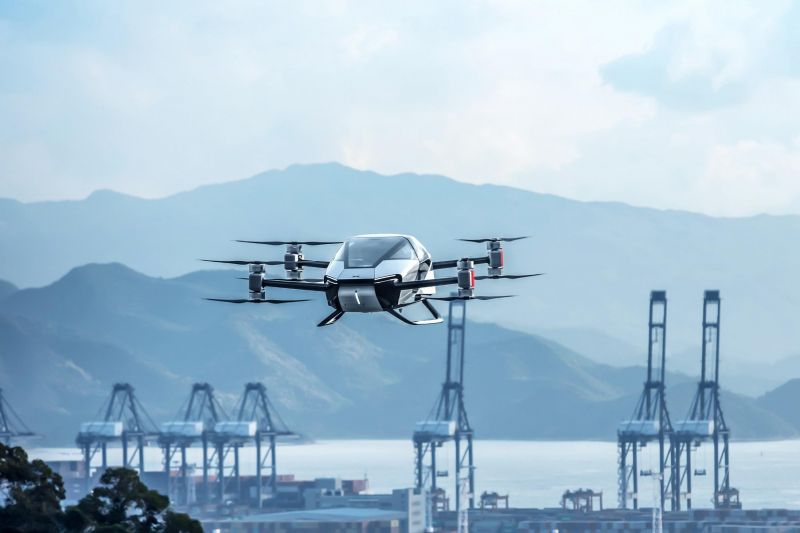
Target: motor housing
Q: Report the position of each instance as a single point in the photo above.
(292, 261)
(494, 249)
(256, 282)
(466, 277)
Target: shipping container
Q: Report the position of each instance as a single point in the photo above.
(182, 429)
(235, 428)
(446, 428)
(102, 429)
(640, 427)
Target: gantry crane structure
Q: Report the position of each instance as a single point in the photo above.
(706, 420)
(257, 422)
(124, 421)
(195, 425)
(448, 421)
(650, 421)
(11, 425)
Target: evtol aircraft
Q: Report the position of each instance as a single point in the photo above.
(375, 273)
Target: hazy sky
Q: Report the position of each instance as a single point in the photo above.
(675, 105)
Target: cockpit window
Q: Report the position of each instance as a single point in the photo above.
(404, 251)
(340, 253)
(367, 252)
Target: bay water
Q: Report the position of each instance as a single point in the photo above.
(532, 473)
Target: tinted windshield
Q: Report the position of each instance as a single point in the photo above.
(367, 252)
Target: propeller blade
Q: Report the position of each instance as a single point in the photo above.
(316, 280)
(453, 298)
(248, 301)
(496, 239)
(510, 276)
(237, 262)
(279, 243)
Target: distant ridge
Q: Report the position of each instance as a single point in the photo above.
(601, 259)
(6, 288)
(784, 401)
(63, 345)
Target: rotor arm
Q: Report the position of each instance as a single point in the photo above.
(295, 284)
(423, 283)
(465, 281)
(453, 263)
(314, 264)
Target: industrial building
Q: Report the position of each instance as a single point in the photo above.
(327, 507)
(628, 520)
(340, 520)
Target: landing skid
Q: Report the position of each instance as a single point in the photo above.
(435, 314)
(331, 318)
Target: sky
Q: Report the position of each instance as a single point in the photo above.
(673, 105)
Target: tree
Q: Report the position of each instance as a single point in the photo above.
(123, 503)
(181, 523)
(122, 499)
(30, 493)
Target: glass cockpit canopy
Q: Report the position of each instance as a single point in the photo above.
(368, 252)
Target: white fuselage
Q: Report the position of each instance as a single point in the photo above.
(363, 261)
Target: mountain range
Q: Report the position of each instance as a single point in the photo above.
(601, 259)
(62, 346)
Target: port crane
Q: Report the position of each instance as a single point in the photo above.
(124, 421)
(448, 421)
(257, 422)
(650, 421)
(11, 425)
(201, 414)
(706, 420)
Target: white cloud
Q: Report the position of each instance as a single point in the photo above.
(678, 160)
(765, 176)
(365, 42)
(152, 99)
(710, 57)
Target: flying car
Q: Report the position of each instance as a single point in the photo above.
(374, 273)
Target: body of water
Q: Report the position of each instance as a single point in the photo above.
(533, 473)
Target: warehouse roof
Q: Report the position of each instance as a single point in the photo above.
(338, 514)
